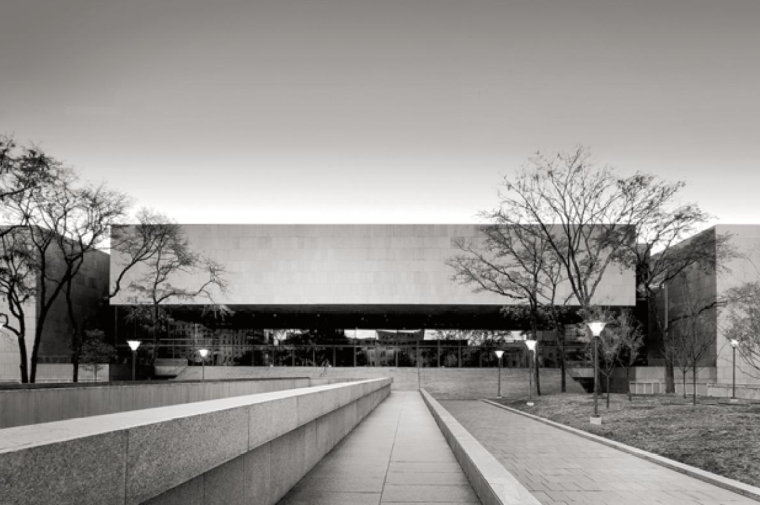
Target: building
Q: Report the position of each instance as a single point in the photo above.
(348, 277)
(89, 290)
(707, 289)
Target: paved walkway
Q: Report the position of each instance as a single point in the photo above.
(396, 455)
(562, 468)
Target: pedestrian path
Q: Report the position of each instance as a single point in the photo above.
(562, 468)
(397, 455)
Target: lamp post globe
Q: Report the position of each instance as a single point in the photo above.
(203, 353)
(596, 328)
(133, 344)
(499, 353)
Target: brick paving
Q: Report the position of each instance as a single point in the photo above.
(561, 468)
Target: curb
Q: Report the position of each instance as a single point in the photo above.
(493, 483)
(711, 478)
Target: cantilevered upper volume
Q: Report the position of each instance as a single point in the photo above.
(347, 265)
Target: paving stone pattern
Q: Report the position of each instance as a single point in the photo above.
(561, 468)
(396, 455)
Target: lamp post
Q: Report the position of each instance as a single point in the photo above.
(531, 345)
(203, 353)
(499, 353)
(734, 345)
(596, 328)
(133, 344)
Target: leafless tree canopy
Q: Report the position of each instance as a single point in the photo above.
(165, 253)
(51, 222)
(744, 321)
(692, 338)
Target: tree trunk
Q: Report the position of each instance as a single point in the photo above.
(22, 353)
(684, 384)
(628, 383)
(670, 382)
(75, 366)
(37, 339)
(538, 381)
(21, 340)
(534, 329)
(694, 384)
(155, 333)
(562, 366)
(608, 391)
(45, 305)
(76, 341)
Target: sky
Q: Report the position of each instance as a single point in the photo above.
(383, 111)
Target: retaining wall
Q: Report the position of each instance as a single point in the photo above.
(444, 383)
(248, 449)
(651, 380)
(21, 406)
(493, 484)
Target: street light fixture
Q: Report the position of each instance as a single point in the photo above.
(734, 345)
(531, 345)
(499, 353)
(133, 344)
(203, 353)
(596, 328)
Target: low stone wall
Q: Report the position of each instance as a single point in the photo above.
(651, 380)
(248, 449)
(745, 391)
(20, 407)
(493, 484)
(444, 383)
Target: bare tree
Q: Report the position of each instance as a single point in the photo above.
(676, 351)
(693, 335)
(582, 213)
(22, 170)
(171, 260)
(95, 353)
(631, 342)
(513, 263)
(63, 222)
(90, 212)
(668, 245)
(17, 289)
(608, 344)
(141, 243)
(744, 321)
(594, 218)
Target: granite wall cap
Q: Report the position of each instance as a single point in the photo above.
(492, 482)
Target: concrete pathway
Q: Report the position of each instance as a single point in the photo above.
(562, 468)
(396, 455)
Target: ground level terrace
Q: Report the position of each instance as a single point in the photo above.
(356, 442)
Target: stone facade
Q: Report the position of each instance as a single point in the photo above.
(711, 286)
(348, 265)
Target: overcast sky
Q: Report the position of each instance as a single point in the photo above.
(383, 111)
